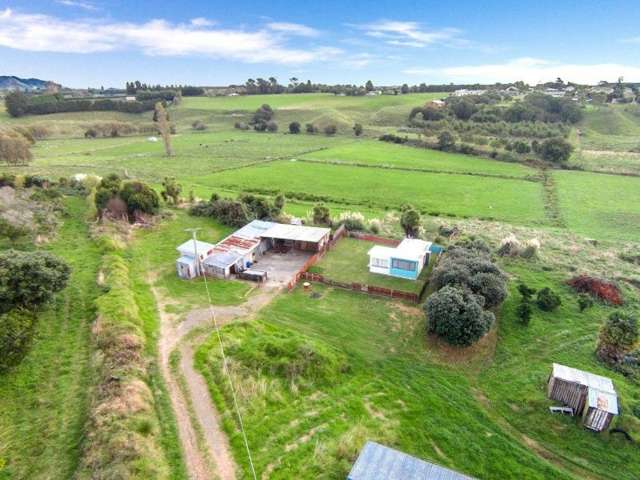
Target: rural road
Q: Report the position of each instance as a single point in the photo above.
(216, 461)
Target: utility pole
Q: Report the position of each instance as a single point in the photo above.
(194, 232)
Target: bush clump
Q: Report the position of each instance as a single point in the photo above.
(457, 316)
(239, 212)
(548, 300)
(617, 337)
(130, 199)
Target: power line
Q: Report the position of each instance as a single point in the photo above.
(224, 356)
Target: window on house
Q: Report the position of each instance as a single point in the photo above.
(380, 262)
(403, 265)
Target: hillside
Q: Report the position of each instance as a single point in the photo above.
(9, 82)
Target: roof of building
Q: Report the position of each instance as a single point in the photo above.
(186, 260)
(588, 379)
(254, 229)
(187, 248)
(234, 243)
(408, 249)
(222, 259)
(602, 394)
(377, 462)
(606, 401)
(296, 233)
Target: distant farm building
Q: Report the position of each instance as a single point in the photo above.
(404, 261)
(377, 462)
(589, 395)
(237, 252)
(463, 92)
(186, 265)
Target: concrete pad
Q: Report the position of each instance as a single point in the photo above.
(281, 267)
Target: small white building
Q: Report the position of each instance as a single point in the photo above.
(404, 261)
(187, 265)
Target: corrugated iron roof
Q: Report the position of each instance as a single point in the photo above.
(606, 401)
(377, 462)
(588, 379)
(186, 260)
(237, 244)
(187, 248)
(223, 259)
(254, 229)
(296, 233)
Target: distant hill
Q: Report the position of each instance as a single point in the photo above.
(26, 84)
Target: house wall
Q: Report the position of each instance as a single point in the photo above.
(571, 394)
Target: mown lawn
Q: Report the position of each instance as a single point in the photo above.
(44, 400)
(600, 206)
(518, 201)
(348, 262)
(380, 154)
(481, 413)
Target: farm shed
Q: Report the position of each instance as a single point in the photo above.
(404, 261)
(186, 265)
(223, 264)
(377, 462)
(589, 395)
(311, 239)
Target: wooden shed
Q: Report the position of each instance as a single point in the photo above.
(591, 396)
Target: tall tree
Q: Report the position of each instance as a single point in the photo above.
(369, 86)
(162, 118)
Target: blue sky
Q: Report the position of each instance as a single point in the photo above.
(98, 42)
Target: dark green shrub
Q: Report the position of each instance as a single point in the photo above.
(526, 292)
(272, 126)
(321, 215)
(617, 337)
(311, 128)
(524, 311)
(357, 129)
(490, 286)
(29, 279)
(584, 302)
(294, 127)
(457, 316)
(556, 150)
(16, 333)
(140, 198)
(7, 180)
(330, 129)
(548, 300)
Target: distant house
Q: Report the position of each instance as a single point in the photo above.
(463, 92)
(238, 251)
(188, 264)
(404, 261)
(589, 395)
(377, 462)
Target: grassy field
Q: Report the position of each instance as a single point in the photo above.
(44, 400)
(600, 206)
(511, 200)
(380, 154)
(627, 163)
(611, 127)
(482, 412)
(348, 262)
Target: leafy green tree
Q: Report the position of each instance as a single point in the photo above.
(369, 86)
(357, 129)
(321, 214)
(30, 279)
(404, 89)
(140, 198)
(526, 292)
(524, 312)
(294, 127)
(410, 221)
(617, 337)
(446, 141)
(457, 316)
(16, 103)
(171, 190)
(556, 150)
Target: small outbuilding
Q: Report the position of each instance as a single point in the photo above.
(187, 264)
(589, 395)
(298, 237)
(404, 261)
(378, 462)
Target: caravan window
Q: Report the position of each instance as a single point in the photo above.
(380, 262)
(403, 265)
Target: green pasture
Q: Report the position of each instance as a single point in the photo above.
(600, 206)
(611, 127)
(463, 195)
(384, 155)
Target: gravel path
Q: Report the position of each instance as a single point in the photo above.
(172, 336)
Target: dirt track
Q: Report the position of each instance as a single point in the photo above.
(216, 461)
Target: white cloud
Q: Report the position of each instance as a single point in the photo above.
(410, 34)
(77, 4)
(293, 29)
(202, 22)
(530, 70)
(43, 33)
